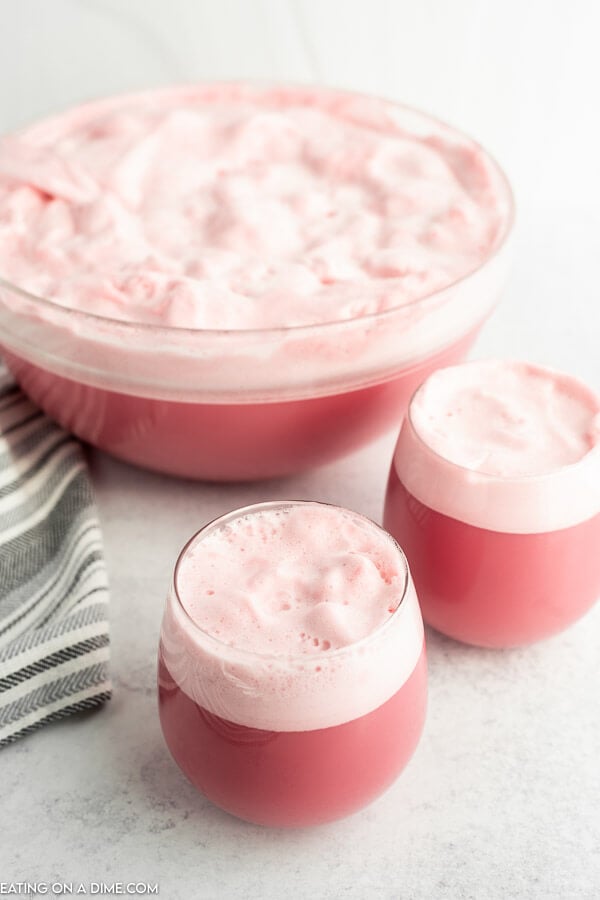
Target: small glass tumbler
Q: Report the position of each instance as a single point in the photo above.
(497, 561)
(291, 739)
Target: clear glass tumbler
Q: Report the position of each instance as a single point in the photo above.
(292, 739)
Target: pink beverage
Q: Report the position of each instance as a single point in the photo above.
(292, 674)
(277, 438)
(204, 279)
(494, 493)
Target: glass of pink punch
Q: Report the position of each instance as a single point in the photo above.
(292, 673)
(494, 494)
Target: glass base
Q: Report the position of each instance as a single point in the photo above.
(293, 778)
(491, 588)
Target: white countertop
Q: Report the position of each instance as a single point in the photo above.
(502, 799)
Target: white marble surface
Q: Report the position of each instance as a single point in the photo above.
(502, 798)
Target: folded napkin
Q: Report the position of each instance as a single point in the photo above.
(54, 647)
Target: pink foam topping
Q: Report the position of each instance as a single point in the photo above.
(507, 446)
(292, 617)
(228, 206)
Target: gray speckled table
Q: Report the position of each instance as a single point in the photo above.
(500, 800)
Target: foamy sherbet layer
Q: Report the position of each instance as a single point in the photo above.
(292, 617)
(230, 206)
(504, 445)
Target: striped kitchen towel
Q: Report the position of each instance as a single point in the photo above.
(54, 647)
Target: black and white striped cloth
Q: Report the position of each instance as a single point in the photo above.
(54, 644)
